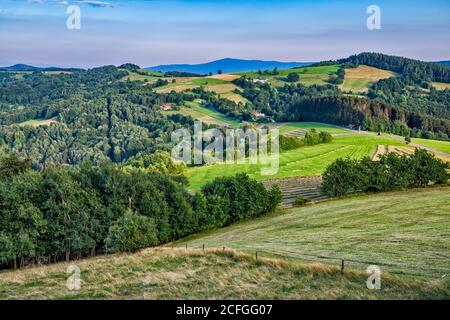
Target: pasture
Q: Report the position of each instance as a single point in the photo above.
(359, 79)
(38, 122)
(308, 75)
(306, 161)
(443, 146)
(404, 232)
(194, 110)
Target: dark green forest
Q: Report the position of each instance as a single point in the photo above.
(64, 213)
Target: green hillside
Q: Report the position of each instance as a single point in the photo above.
(308, 75)
(306, 161)
(404, 232)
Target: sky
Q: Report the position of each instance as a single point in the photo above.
(156, 32)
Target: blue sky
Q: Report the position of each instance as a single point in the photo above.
(192, 31)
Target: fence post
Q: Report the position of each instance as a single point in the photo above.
(203, 247)
(186, 246)
(342, 266)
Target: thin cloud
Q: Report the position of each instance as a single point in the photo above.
(97, 4)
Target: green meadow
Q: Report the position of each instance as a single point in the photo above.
(405, 232)
(308, 75)
(306, 161)
(443, 146)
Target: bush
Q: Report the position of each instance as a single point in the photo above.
(293, 77)
(132, 232)
(300, 201)
(239, 197)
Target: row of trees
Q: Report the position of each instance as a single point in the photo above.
(63, 213)
(390, 172)
(311, 138)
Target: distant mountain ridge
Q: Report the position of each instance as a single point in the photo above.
(26, 67)
(228, 65)
(444, 63)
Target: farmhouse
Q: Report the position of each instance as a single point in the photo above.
(260, 81)
(258, 114)
(166, 107)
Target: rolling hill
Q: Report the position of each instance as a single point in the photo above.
(305, 236)
(228, 65)
(403, 232)
(25, 67)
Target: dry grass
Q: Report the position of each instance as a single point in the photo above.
(178, 88)
(225, 77)
(402, 150)
(358, 80)
(441, 86)
(167, 273)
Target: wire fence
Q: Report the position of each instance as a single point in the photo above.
(343, 263)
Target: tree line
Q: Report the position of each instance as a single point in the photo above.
(64, 213)
(389, 172)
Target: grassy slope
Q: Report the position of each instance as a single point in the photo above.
(308, 75)
(358, 80)
(192, 274)
(441, 85)
(206, 115)
(307, 161)
(438, 145)
(410, 229)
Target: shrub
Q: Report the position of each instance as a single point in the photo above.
(240, 198)
(132, 232)
(300, 201)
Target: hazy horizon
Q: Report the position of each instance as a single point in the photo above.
(150, 33)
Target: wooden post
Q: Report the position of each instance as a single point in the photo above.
(186, 246)
(203, 247)
(342, 266)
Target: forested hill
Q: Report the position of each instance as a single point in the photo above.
(96, 116)
(413, 70)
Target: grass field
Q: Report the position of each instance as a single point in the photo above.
(194, 274)
(435, 144)
(308, 75)
(306, 161)
(206, 115)
(404, 232)
(358, 80)
(441, 85)
(221, 84)
(38, 122)
(332, 129)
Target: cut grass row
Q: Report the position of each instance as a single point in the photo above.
(405, 232)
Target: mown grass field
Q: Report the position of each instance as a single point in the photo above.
(443, 146)
(38, 122)
(194, 110)
(308, 75)
(220, 84)
(194, 274)
(405, 232)
(332, 129)
(358, 80)
(441, 85)
(306, 161)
